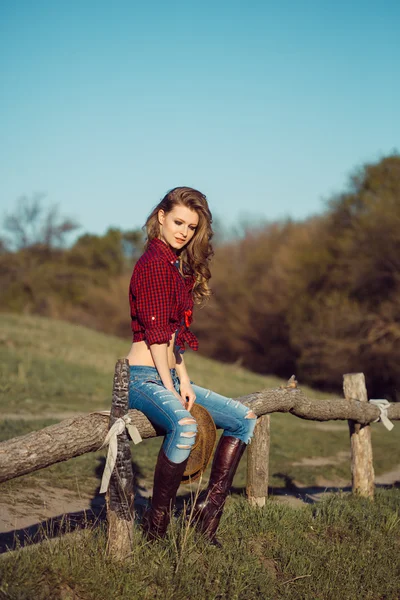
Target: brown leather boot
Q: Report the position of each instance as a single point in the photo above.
(167, 477)
(210, 503)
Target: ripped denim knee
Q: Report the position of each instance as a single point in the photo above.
(178, 443)
(251, 421)
(245, 422)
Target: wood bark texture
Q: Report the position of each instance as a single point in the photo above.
(362, 469)
(258, 463)
(120, 493)
(78, 435)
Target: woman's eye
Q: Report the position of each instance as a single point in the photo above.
(192, 228)
(178, 222)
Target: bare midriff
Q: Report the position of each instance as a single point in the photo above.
(140, 355)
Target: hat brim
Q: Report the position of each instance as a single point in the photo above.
(201, 452)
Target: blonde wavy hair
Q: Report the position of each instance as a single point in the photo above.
(196, 255)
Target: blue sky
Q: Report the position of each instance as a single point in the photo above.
(264, 106)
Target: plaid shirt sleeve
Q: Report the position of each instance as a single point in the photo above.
(153, 289)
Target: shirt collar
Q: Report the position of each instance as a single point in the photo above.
(161, 248)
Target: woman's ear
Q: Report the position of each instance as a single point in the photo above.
(161, 216)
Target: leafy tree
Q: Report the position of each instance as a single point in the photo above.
(351, 319)
(320, 297)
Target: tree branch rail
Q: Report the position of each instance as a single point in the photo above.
(79, 435)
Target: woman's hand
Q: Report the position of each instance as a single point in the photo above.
(188, 395)
(180, 398)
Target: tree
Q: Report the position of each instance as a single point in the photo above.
(347, 318)
(317, 298)
(34, 225)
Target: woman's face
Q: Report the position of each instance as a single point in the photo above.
(178, 226)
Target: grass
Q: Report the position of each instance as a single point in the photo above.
(343, 547)
(51, 369)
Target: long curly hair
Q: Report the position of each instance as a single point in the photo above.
(195, 256)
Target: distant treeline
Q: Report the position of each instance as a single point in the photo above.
(317, 298)
(85, 283)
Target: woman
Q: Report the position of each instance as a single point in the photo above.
(171, 276)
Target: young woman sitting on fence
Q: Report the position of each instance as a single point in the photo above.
(171, 276)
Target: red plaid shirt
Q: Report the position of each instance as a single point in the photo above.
(161, 299)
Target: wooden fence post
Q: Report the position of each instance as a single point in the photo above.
(258, 463)
(120, 494)
(362, 469)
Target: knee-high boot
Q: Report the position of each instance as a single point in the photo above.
(210, 503)
(167, 477)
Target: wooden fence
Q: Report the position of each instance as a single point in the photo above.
(78, 435)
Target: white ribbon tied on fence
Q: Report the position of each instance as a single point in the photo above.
(111, 439)
(383, 406)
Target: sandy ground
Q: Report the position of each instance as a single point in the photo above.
(57, 416)
(36, 505)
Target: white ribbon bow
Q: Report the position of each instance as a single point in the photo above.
(383, 406)
(111, 439)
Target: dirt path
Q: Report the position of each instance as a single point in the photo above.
(35, 505)
(56, 416)
(43, 512)
(298, 494)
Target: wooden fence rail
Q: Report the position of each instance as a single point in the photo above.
(79, 435)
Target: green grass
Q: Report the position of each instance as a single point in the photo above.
(51, 369)
(343, 547)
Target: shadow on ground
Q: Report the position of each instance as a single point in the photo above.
(69, 522)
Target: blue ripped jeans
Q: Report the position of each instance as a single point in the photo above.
(163, 409)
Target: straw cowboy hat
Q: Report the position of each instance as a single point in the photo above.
(200, 454)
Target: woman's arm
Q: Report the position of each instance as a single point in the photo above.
(160, 358)
(181, 367)
(153, 288)
(186, 390)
